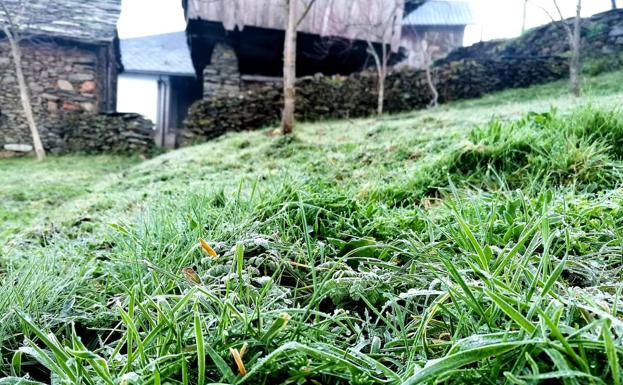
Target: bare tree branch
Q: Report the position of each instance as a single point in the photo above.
(305, 12)
(575, 40)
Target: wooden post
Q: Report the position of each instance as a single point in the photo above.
(23, 91)
(9, 29)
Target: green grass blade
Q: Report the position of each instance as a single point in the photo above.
(201, 356)
(611, 352)
(221, 365)
(437, 368)
(511, 312)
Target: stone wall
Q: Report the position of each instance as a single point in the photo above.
(355, 96)
(60, 78)
(70, 85)
(602, 34)
(106, 133)
(221, 77)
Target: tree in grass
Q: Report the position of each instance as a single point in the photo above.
(524, 18)
(427, 47)
(12, 32)
(574, 35)
(296, 11)
(575, 42)
(385, 30)
(379, 26)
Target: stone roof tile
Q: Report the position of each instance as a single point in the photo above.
(82, 20)
(166, 54)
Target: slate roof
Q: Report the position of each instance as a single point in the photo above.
(82, 20)
(441, 12)
(166, 54)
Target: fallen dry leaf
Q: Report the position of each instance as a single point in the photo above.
(191, 275)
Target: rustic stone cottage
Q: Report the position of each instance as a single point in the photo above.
(70, 60)
(434, 29)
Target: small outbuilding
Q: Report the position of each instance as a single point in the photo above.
(237, 43)
(434, 29)
(159, 82)
(70, 59)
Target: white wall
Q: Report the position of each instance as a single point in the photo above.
(138, 93)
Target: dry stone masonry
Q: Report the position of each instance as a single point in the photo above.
(535, 58)
(221, 77)
(70, 60)
(64, 79)
(107, 133)
(602, 36)
(323, 97)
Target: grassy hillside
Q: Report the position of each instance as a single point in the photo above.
(480, 242)
(31, 190)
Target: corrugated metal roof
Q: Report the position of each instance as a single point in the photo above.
(166, 54)
(91, 21)
(441, 12)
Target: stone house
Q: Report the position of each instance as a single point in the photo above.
(433, 30)
(70, 54)
(159, 69)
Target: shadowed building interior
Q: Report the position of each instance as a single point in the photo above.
(235, 43)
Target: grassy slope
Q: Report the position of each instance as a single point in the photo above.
(31, 191)
(310, 202)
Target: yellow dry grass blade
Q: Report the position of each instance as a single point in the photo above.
(207, 248)
(238, 359)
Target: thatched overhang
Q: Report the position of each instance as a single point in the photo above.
(378, 21)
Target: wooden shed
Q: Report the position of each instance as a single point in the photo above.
(332, 37)
(70, 59)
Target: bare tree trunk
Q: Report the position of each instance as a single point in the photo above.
(574, 70)
(431, 83)
(525, 16)
(25, 97)
(614, 4)
(381, 73)
(289, 69)
(381, 100)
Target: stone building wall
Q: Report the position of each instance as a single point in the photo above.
(71, 88)
(427, 44)
(61, 78)
(221, 77)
